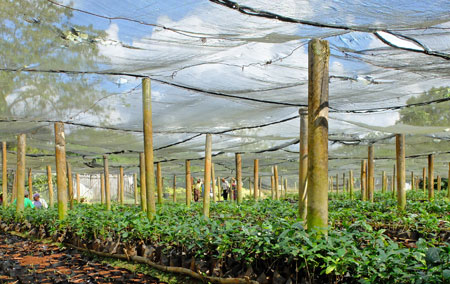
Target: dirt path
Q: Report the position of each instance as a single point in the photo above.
(25, 261)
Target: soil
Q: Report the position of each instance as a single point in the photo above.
(26, 261)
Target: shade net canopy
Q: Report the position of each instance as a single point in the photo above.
(238, 70)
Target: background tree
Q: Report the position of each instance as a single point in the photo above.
(38, 34)
(428, 115)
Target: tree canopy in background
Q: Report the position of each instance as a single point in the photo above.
(41, 37)
(428, 115)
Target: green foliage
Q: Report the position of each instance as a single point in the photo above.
(358, 246)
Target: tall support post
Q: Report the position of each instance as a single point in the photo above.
(413, 186)
(219, 188)
(275, 176)
(188, 183)
(424, 180)
(272, 185)
(401, 171)
(208, 150)
(174, 197)
(351, 184)
(159, 182)
(61, 171)
(448, 182)
(122, 185)
(118, 188)
(135, 189)
(337, 183)
(50, 186)
(20, 172)
(363, 181)
(383, 182)
(260, 188)
(102, 188)
(439, 183)
(30, 183)
(77, 176)
(14, 189)
(143, 182)
(285, 187)
(255, 178)
(331, 184)
(148, 148)
(303, 165)
(394, 181)
(70, 184)
(370, 173)
(344, 189)
(213, 179)
(107, 185)
(4, 176)
(239, 177)
(430, 177)
(318, 57)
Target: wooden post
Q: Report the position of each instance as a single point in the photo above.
(394, 181)
(272, 185)
(148, 148)
(14, 189)
(77, 176)
(135, 189)
(439, 184)
(118, 188)
(122, 186)
(102, 188)
(208, 150)
(239, 177)
(143, 182)
(363, 181)
(303, 165)
(370, 173)
(383, 182)
(276, 184)
(344, 189)
(318, 57)
(30, 183)
(4, 176)
(70, 183)
(285, 187)
(174, 197)
(401, 171)
(61, 174)
(259, 188)
(430, 177)
(219, 188)
(188, 183)
(107, 185)
(255, 178)
(20, 172)
(213, 179)
(351, 184)
(448, 182)
(331, 184)
(159, 182)
(412, 181)
(424, 179)
(337, 183)
(50, 186)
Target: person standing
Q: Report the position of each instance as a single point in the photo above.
(225, 189)
(197, 189)
(38, 202)
(26, 202)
